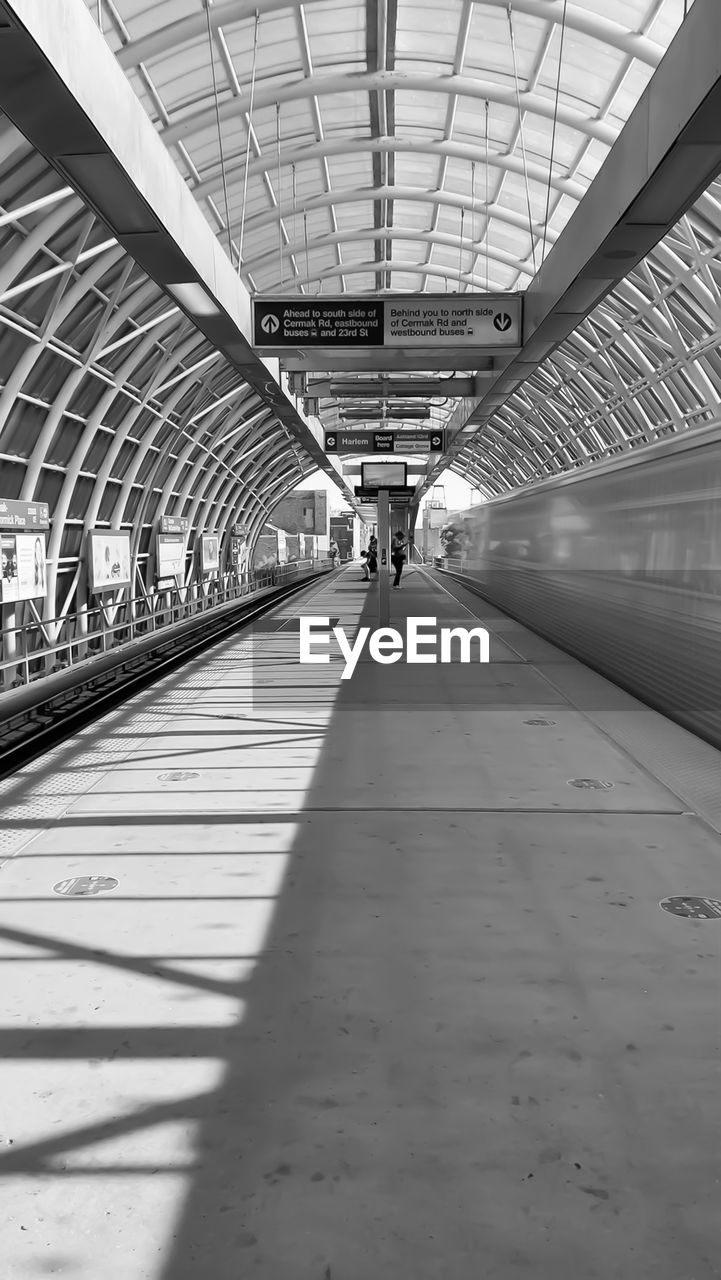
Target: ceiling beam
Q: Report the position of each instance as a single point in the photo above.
(163, 40)
(202, 118)
(445, 148)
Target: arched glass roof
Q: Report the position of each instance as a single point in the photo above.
(403, 145)
(368, 146)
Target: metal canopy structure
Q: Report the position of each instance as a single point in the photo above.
(390, 146)
(341, 147)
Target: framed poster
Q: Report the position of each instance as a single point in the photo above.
(239, 554)
(109, 559)
(210, 552)
(10, 584)
(24, 567)
(170, 557)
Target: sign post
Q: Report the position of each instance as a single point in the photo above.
(384, 521)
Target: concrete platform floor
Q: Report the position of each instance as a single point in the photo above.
(441, 1031)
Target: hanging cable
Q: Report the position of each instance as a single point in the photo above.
(280, 219)
(473, 213)
(487, 213)
(295, 228)
(523, 144)
(211, 52)
(305, 237)
(460, 250)
(553, 132)
(250, 130)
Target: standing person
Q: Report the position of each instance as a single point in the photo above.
(371, 563)
(398, 556)
(334, 553)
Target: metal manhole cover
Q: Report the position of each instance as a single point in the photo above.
(589, 784)
(178, 775)
(539, 721)
(85, 886)
(692, 908)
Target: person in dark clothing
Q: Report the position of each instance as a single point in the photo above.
(371, 563)
(398, 556)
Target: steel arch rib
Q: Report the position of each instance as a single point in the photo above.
(448, 240)
(446, 148)
(319, 86)
(404, 268)
(233, 12)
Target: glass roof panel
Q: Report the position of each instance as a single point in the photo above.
(440, 122)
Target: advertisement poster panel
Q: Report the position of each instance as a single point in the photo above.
(109, 560)
(10, 583)
(266, 551)
(210, 552)
(24, 568)
(239, 554)
(170, 560)
(341, 528)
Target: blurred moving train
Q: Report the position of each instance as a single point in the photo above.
(619, 564)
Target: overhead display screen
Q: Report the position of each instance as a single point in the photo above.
(383, 475)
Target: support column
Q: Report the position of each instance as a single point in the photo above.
(384, 556)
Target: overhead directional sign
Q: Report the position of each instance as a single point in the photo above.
(385, 441)
(402, 321)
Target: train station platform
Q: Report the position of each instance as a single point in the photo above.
(442, 1029)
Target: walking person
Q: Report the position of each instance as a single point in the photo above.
(398, 556)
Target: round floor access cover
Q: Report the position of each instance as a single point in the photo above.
(85, 886)
(693, 908)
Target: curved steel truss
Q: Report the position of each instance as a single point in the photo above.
(114, 409)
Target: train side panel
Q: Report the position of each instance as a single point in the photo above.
(621, 566)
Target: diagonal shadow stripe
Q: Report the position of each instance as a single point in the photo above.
(129, 964)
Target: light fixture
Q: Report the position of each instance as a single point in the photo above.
(193, 298)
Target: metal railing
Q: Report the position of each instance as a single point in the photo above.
(44, 646)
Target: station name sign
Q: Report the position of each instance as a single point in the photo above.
(24, 515)
(385, 441)
(402, 321)
(174, 524)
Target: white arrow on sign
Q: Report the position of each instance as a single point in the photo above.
(270, 324)
(502, 321)
(435, 442)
